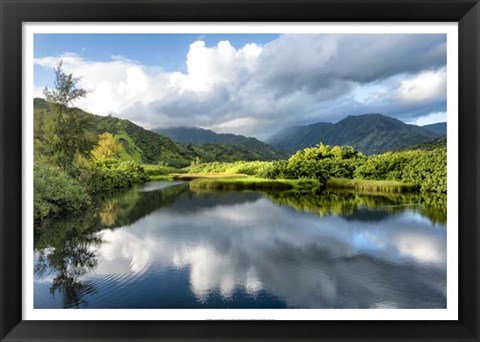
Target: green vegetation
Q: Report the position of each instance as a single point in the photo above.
(110, 174)
(55, 193)
(192, 176)
(160, 169)
(370, 185)
(146, 147)
(425, 168)
(320, 163)
(420, 169)
(252, 168)
(79, 155)
(141, 145)
(431, 205)
(252, 183)
(369, 134)
(226, 147)
(72, 163)
(161, 178)
(428, 146)
(107, 147)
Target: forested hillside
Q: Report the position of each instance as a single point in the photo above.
(144, 146)
(254, 148)
(369, 133)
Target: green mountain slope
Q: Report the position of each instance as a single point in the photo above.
(229, 142)
(145, 146)
(369, 133)
(440, 127)
(428, 146)
(138, 143)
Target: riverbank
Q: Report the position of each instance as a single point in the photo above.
(221, 181)
(253, 183)
(368, 185)
(193, 176)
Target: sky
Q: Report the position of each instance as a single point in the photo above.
(250, 84)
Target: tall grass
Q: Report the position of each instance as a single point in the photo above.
(192, 176)
(159, 170)
(252, 168)
(251, 183)
(370, 185)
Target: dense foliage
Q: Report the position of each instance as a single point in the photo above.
(55, 193)
(424, 169)
(321, 162)
(65, 136)
(144, 146)
(161, 169)
(78, 155)
(239, 147)
(107, 147)
(71, 161)
(110, 174)
(369, 133)
(346, 203)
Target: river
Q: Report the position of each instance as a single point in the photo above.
(161, 245)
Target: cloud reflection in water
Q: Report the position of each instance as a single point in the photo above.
(303, 259)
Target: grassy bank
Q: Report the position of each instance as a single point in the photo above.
(161, 178)
(252, 183)
(193, 176)
(370, 185)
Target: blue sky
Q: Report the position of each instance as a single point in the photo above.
(250, 84)
(165, 50)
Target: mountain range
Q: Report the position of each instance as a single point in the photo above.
(201, 136)
(368, 133)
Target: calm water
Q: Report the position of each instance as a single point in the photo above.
(162, 246)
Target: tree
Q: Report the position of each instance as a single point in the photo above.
(69, 135)
(197, 161)
(65, 91)
(107, 147)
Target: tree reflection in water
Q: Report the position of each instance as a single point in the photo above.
(431, 206)
(68, 259)
(66, 249)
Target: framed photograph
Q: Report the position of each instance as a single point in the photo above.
(241, 170)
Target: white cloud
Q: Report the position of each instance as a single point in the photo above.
(255, 90)
(431, 119)
(227, 248)
(112, 85)
(238, 125)
(424, 86)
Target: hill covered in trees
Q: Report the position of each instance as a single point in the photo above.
(200, 136)
(79, 155)
(144, 146)
(369, 133)
(439, 127)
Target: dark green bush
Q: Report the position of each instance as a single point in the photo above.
(274, 170)
(56, 193)
(159, 170)
(110, 174)
(425, 168)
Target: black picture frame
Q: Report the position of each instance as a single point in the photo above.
(14, 12)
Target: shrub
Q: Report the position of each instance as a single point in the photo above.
(110, 174)
(55, 193)
(274, 170)
(426, 169)
(159, 170)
